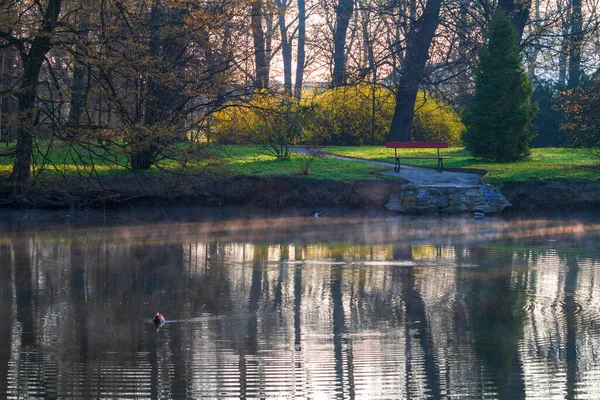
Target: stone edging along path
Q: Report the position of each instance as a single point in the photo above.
(425, 190)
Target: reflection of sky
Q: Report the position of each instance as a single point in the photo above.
(393, 317)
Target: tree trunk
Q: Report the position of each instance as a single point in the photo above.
(518, 12)
(343, 13)
(532, 58)
(78, 93)
(369, 55)
(32, 64)
(260, 56)
(286, 47)
(161, 104)
(143, 158)
(575, 45)
(300, 53)
(417, 53)
(24, 148)
(565, 16)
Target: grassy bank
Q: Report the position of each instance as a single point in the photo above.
(544, 164)
(61, 159)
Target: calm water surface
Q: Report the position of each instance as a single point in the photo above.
(292, 306)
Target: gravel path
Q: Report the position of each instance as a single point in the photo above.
(417, 175)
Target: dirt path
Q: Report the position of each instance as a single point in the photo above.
(418, 175)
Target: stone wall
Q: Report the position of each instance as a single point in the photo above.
(480, 199)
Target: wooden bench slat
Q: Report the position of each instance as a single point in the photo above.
(425, 157)
(416, 145)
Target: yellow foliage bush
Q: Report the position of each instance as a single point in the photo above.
(276, 122)
(342, 116)
(436, 121)
(348, 116)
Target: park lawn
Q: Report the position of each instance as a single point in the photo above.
(60, 158)
(543, 164)
(249, 160)
(255, 161)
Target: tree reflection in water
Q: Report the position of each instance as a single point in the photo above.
(348, 308)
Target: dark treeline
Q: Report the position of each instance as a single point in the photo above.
(142, 75)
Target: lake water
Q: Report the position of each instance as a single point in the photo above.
(265, 305)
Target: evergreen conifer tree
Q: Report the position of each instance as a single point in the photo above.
(500, 122)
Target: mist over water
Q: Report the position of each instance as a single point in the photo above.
(267, 305)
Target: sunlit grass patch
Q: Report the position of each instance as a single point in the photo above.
(253, 160)
(543, 164)
(249, 160)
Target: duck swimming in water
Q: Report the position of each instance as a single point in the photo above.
(158, 320)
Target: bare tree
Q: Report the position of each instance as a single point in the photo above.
(343, 14)
(32, 51)
(418, 43)
(286, 45)
(301, 51)
(575, 44)
(261, 58)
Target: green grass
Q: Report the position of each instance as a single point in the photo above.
(544, 164)
(234, 160)
(253, 160)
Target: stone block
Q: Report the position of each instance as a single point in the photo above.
(443, 202)
(423, 202)
(473, 192)
(408, 186)
(394, 205)
(490, 193)
(409, 201)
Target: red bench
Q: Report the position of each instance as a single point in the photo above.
(418, 145)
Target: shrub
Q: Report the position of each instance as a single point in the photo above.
(547, 122)
(276, 122)
(347, 116)
(342, 116)
(581, 118)
(436, 121)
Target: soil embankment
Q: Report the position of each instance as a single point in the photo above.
(274, 191)
(558, 194)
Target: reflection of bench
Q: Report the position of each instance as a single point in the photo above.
(418, 145)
